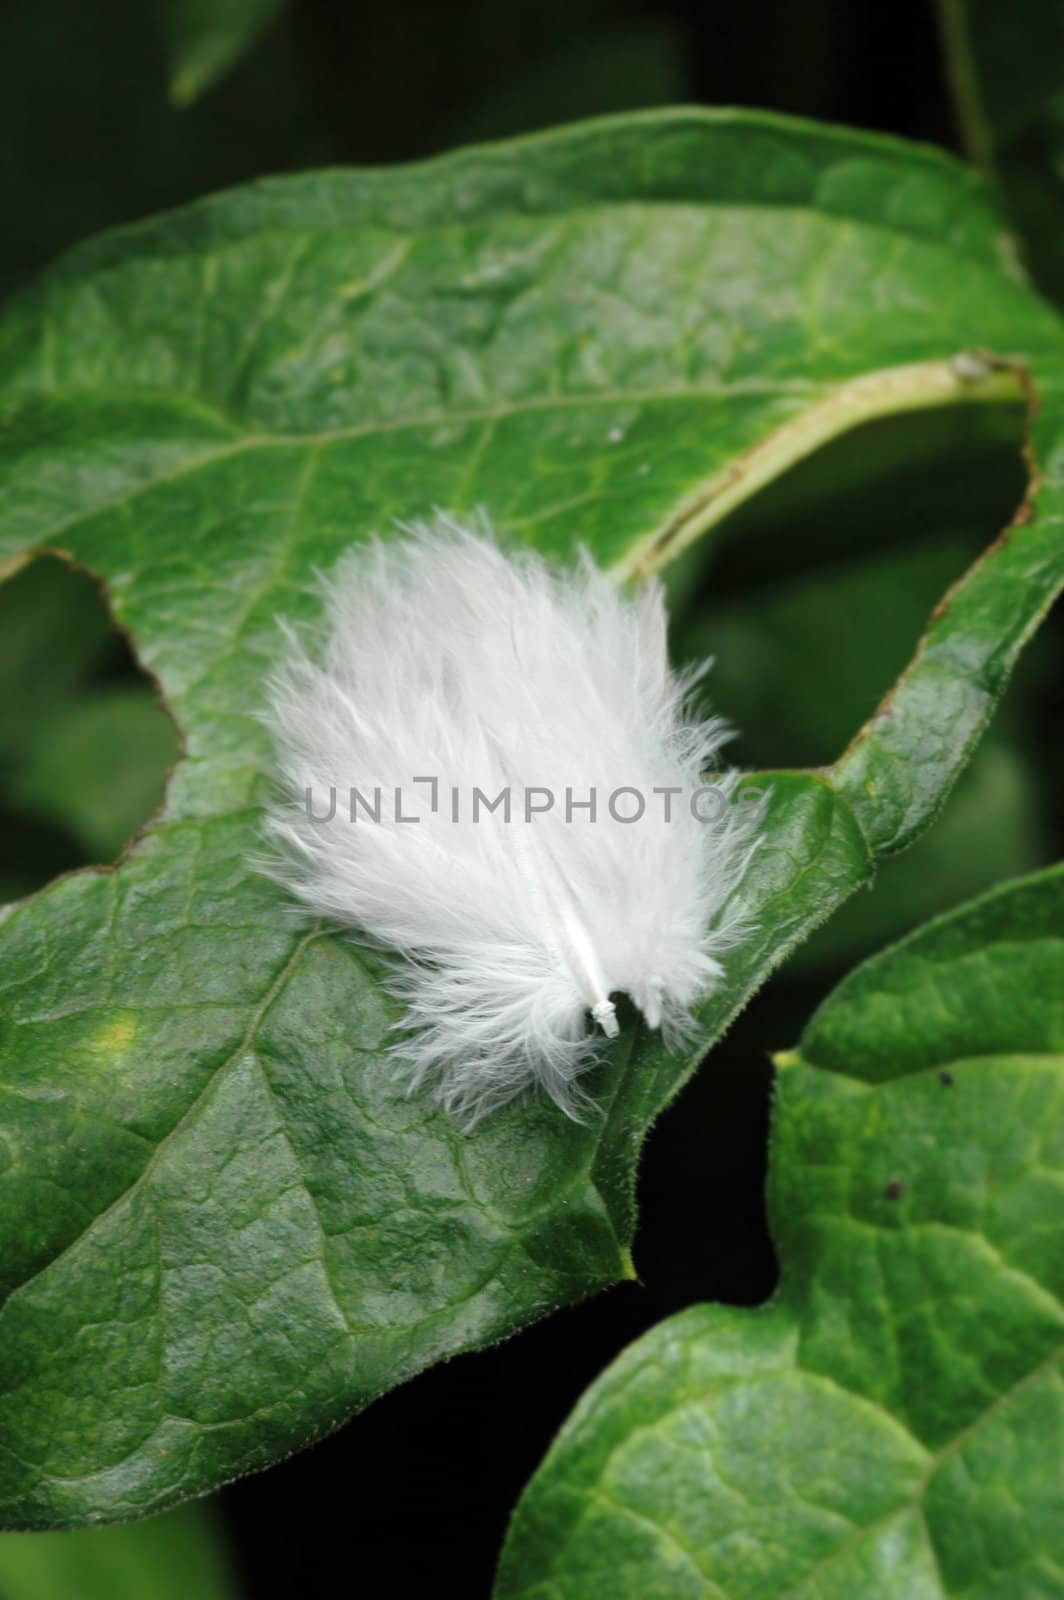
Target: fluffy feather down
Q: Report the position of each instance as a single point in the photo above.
(445, 656)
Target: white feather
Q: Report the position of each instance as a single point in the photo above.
(445, 656)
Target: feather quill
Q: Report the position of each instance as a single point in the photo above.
(451, 668)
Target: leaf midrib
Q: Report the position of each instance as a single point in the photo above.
(584, 1172)
(493, 414)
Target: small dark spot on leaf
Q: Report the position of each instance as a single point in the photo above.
(946, 1078)
(895, 1189)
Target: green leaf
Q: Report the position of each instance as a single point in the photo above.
(207, 37)
(224, 1229)
(161, 1558)
(891, 1423)
(1006, 65)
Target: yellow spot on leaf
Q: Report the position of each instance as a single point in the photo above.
(115, 1038)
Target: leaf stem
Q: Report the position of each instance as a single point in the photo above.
(968, 377)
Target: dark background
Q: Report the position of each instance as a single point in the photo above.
(419, 1487)
(88, 138)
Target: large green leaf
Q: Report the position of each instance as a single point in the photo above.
(224, 1228)
(162, 1558)
(891, 1425)
(1006, 64)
